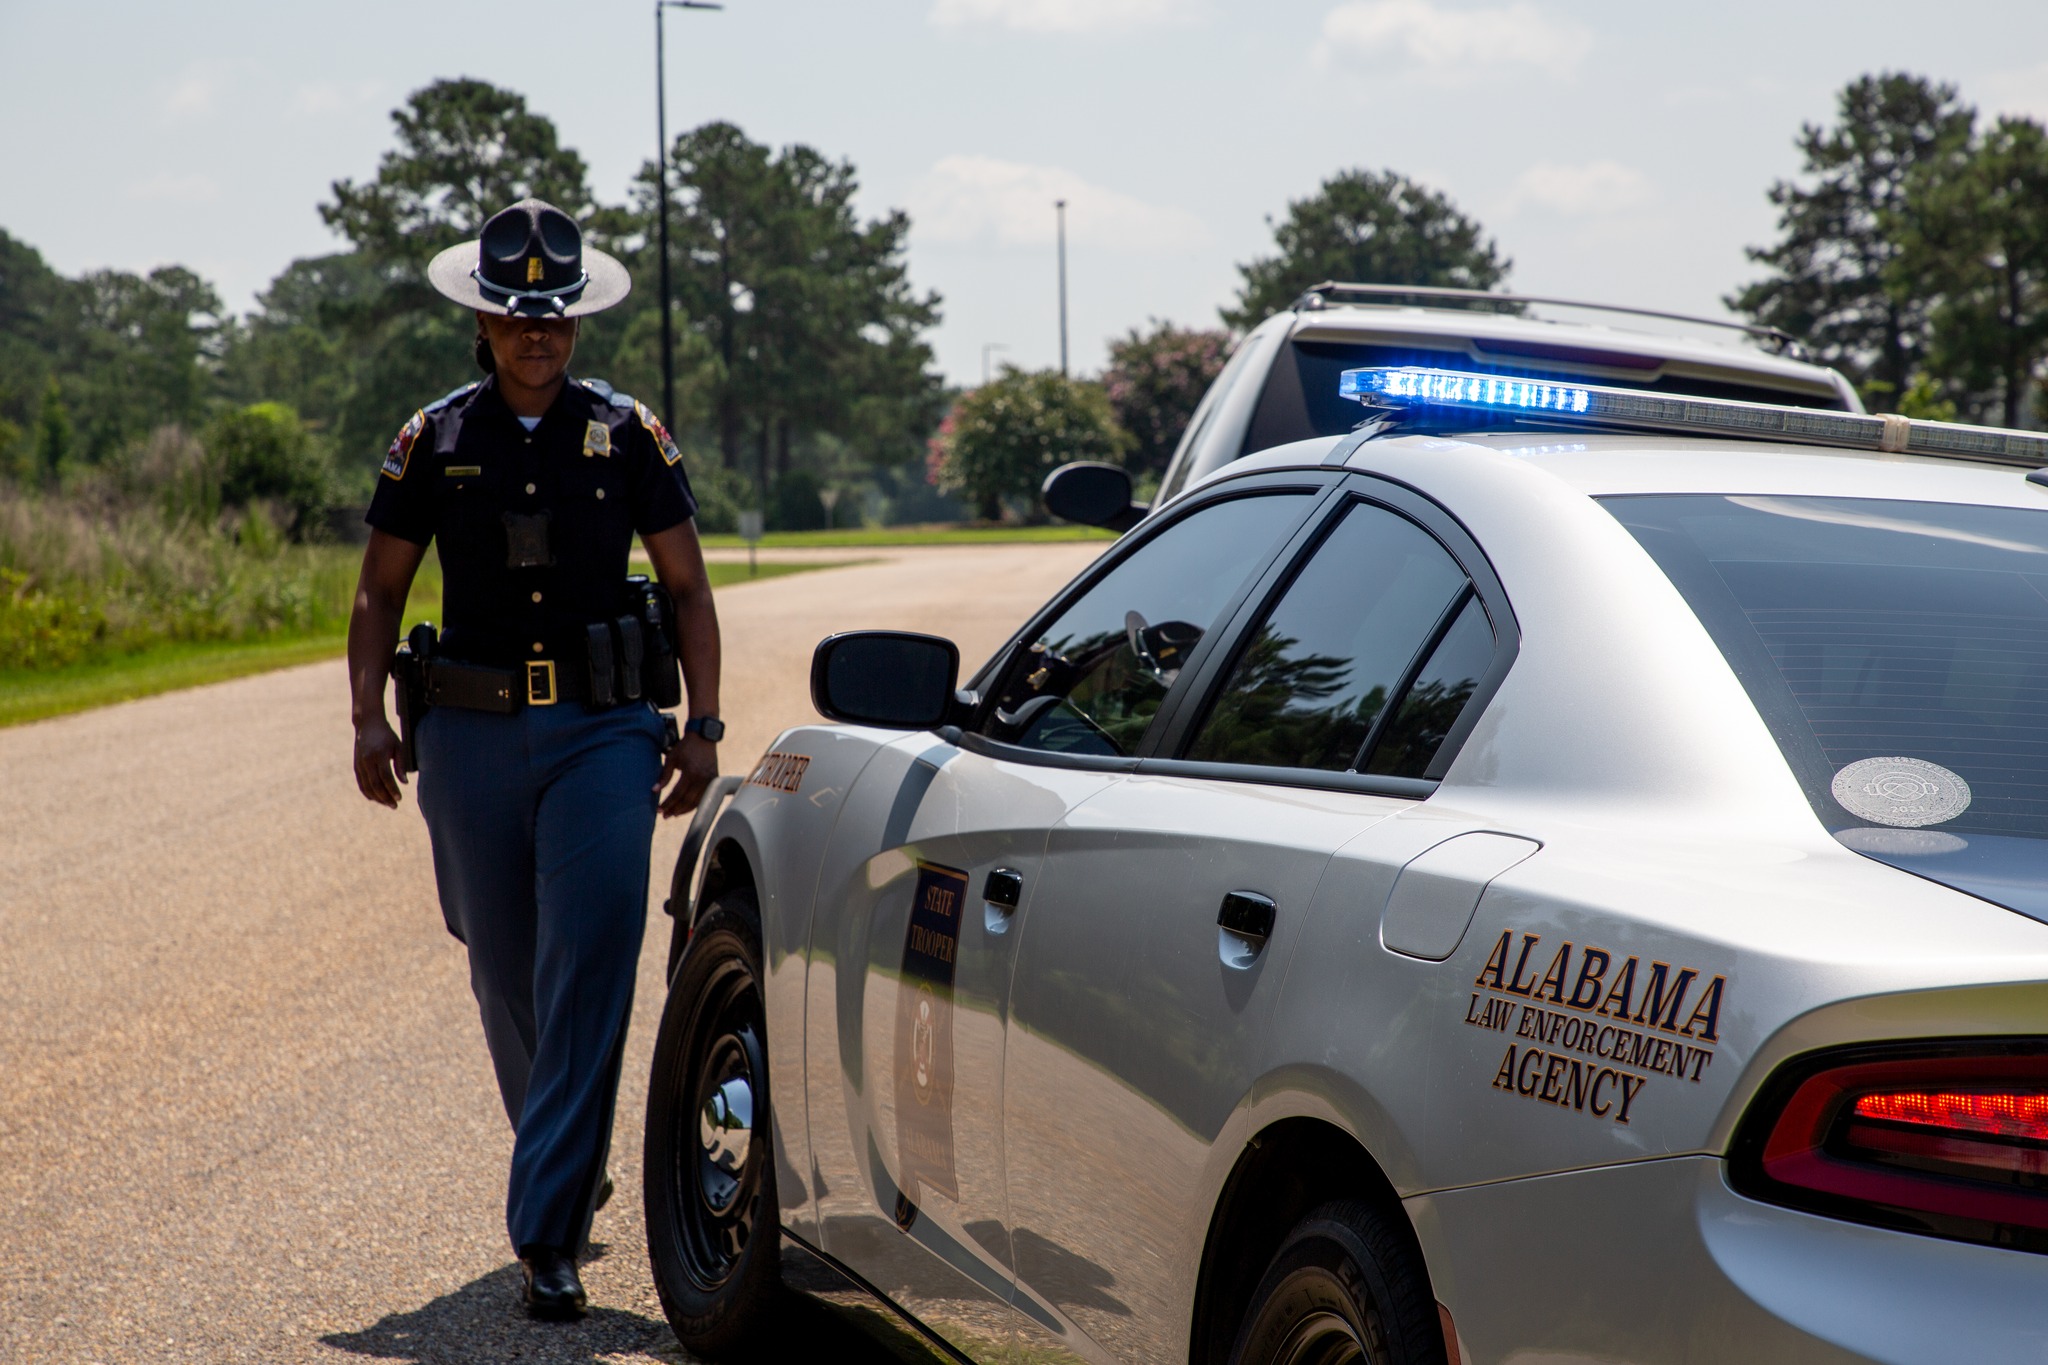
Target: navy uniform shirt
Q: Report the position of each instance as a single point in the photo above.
(533, 528)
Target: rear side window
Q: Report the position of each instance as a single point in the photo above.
(1437, 697)
(1189, 452)
(1093, 680)
(1898, 651)
(1316, 684)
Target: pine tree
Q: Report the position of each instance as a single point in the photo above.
(1834, 278)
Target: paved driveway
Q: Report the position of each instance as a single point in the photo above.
(245, 1109)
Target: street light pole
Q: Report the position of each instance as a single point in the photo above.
(1061, 206)
(988, 349)
(668, 337)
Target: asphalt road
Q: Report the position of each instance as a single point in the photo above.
(245, 1109)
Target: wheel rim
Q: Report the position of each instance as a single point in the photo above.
(717, 1155)
(1322, 1339)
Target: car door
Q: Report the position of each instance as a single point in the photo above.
(1154, 947)
(930, 869)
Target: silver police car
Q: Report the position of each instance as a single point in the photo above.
(1555, 874)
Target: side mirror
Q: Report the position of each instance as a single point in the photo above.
(1092, 494)
(889, 678)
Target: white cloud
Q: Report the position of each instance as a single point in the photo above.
(1594, 189)
(981, 198)
(188, 189)
(192, 93)
(333, 97)
(1451, 44)
(2023, 92)
(1061, 16)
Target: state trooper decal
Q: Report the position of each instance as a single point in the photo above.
(924, 1033)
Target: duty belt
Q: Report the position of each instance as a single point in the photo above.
(609, 673)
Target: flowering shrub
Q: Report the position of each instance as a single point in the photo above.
(1154, 381)
(1000, 441)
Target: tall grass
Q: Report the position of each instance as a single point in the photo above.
(90, 575)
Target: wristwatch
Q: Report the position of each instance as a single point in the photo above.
(710, 727)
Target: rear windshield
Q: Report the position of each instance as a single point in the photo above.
(1300, 399)
(1897, 650)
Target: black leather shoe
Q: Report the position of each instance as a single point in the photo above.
(604, 1193)
(553, 1291)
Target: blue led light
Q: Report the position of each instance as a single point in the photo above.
(1450, 388)
(1592, 405)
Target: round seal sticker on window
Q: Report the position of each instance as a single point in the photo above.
(1902, 792)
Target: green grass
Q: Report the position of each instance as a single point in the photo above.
(38, 695)
(723, 575)
(937, 534)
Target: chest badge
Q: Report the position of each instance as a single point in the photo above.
(597, 439)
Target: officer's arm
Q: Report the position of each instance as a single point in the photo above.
(679, 564)
(389, 564)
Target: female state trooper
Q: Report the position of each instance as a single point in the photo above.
(541, 760)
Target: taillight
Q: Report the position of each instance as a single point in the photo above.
(1948, 1139)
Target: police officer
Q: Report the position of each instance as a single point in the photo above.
(541, 762)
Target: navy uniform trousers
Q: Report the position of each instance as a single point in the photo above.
(541, 823)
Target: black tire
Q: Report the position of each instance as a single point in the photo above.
(713, 1232)
(1347, 1287)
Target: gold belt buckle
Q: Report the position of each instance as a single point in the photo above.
(540, 682)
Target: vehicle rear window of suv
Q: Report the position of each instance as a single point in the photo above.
(1300, 400)
(1898, 652)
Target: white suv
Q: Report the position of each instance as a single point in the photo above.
(1281, 382)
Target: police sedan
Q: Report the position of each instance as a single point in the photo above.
(1555, 874)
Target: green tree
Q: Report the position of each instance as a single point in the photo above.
(1975, 236)
(53, 440)
(466, 149)
(807, 315)
(129, 352)
(36, 304)
(1154, 381)
(1367, 227)
(264, 453)
(1002, 439)
(149, 354)
(294, 347)
(1835, 278)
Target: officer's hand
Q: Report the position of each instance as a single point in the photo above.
(693, 762)
(380, 768)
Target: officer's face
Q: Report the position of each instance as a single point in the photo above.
(530, 352)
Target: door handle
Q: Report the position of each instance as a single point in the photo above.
(1242, 927)
(1247, 913)
(1001, 892)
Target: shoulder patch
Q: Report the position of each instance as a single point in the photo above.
(607, 393)
(400, 453)
(662, 440)
(449, 397)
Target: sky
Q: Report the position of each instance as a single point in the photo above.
(1616, 151)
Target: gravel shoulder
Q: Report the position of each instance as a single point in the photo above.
(245, 1108)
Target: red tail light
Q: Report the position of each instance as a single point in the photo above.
(1949, 1139)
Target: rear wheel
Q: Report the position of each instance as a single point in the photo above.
(1347, 1287)
(712, 1225)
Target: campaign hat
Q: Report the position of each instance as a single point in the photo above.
(530, 261)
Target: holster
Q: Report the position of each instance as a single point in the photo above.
(663, 680)
(409, 672)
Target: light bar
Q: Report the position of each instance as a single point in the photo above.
(1412, 388)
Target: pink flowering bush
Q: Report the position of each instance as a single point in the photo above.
(1153, 383)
